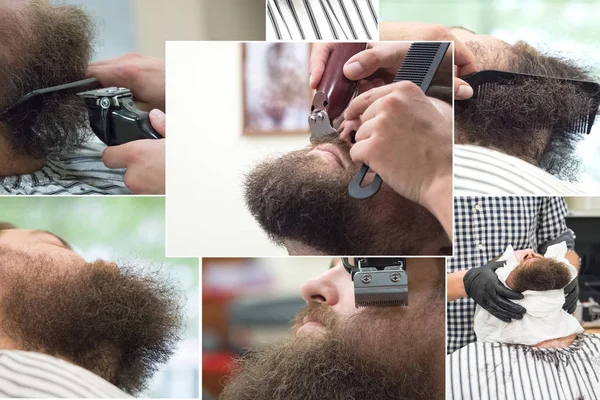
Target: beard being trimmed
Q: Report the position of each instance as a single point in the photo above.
(43, 46)
(298, 197)
(377, 355)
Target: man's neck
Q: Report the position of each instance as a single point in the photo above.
(12, 164)
(558, 343)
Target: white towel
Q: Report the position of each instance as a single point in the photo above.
(544, 320)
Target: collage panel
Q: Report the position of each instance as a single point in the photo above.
(323, 328)
(312, 20)
(82, 89)
(523, 315)
(292, 141)
(89, 305)
(524, 119)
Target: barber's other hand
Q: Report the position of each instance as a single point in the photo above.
(378, 64)
(484, 287)
(571, 296)
(402, 136)
(567, 236)
(143, 159)
(145, 76)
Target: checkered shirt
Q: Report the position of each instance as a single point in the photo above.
(483, 228)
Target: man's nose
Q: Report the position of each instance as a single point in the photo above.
(531, 254)
(321, 289)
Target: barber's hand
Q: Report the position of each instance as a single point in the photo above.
(144, 76)
(378, 64)
(143, 159)
(402, 136)
(571, 296)
(567, 236)
(484, 287)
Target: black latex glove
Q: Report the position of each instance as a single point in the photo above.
(571, 296)
(567, 236)
(483, 286)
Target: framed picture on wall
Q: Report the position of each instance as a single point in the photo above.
(276, 94)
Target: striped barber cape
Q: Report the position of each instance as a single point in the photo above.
(322, 20)
(517, 372)
(35, 375)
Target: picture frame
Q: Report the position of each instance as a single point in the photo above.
(276, 94)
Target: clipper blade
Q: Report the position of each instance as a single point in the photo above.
(381, 288)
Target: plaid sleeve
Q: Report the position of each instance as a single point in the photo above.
(551, 221)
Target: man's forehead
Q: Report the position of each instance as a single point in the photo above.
(13, 4)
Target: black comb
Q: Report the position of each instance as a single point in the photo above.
(419, 66)
(484, 81)
(36, 95)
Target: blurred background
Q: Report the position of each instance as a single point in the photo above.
(584, 219)
(123, 228)
(248, 303)
(568, 27)
(143, 26)
(227, 142)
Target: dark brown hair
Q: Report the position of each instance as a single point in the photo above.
(540, 274)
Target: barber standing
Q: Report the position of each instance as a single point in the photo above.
(144, 160)
(484, 227)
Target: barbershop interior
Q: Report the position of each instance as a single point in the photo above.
(583, 218)
(124, 230)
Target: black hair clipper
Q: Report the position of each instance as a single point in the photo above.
(379, 282)
(114, 117)
(112, 113)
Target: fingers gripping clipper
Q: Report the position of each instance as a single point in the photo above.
(379, 282)
(114, 117)
(333, 95)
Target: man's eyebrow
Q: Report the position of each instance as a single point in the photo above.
(63, 241)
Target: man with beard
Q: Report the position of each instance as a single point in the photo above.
(544, 355)
(515, 139)
(340, 352)
(301, 199)
(69, 328)
(48, 147)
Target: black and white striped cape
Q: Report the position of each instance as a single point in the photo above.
(34, 375)
(322, 20)
(496, 371)
(79, 173)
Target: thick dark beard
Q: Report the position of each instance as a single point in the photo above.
(120, 325)
(44, 46)
(541, 275)
(295, 197)
(380, 354)
(509, 117)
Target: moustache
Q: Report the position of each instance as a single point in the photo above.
(316, 312)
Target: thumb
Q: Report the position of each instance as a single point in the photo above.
(367, 62)
(159, 121)
(462, 90)
(116, 156)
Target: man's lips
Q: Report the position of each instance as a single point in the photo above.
(310, 326)
(334, 152)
